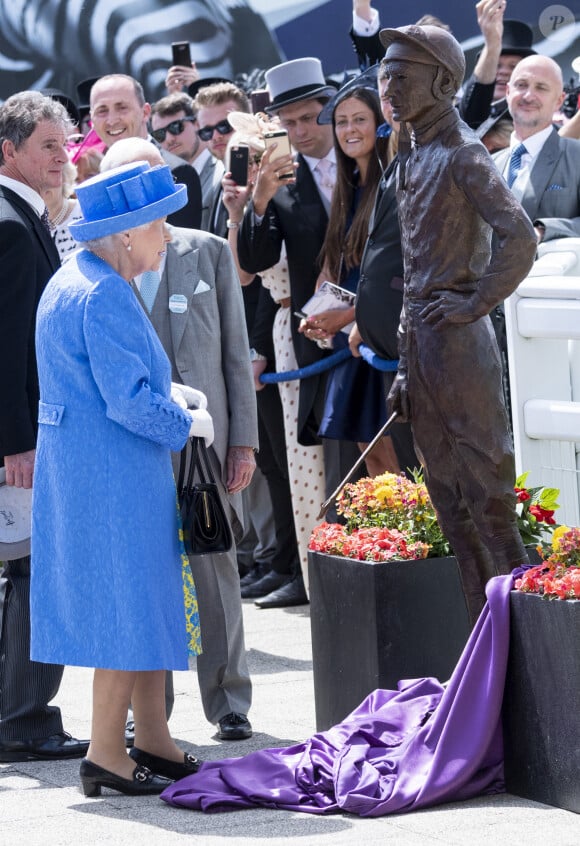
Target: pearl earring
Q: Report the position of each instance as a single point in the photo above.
(128, 248)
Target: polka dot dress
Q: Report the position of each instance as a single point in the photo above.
(64, 241)
(305, 464)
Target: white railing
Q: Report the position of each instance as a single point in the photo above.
(543, 331)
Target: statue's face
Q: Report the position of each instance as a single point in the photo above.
(409, 87)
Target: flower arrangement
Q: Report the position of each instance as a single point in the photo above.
(558, 576)
(535, 510)
(388, 517)
(391, 517)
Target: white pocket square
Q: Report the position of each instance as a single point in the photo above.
(201, 287)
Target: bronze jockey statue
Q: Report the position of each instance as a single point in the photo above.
(467, 244)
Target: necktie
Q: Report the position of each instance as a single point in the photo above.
(515, 163)
(149, 286)
(45, 220)
(326, 177)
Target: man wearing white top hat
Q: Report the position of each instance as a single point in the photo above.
(294, 211)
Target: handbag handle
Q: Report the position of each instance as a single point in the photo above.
(200, 462)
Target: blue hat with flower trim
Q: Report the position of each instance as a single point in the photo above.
(124, 198)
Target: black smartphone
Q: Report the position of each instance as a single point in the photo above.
(280, 138)
(181, 53)
(259, 100)
(239, 157)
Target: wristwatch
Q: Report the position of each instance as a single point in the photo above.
(256, 356)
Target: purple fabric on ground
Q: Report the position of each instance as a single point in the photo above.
(399, 751)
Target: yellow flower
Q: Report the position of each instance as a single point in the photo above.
(557, 534)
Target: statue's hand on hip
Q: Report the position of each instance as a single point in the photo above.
(453, 308)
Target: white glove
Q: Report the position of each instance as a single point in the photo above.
(177, 396)
(191, 396)
(201, 425)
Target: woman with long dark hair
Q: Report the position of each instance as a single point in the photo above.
(355, 406)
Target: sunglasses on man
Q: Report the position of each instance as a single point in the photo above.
(176, 127)
(223, 127)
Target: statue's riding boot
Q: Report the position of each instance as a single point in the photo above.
(473, 581)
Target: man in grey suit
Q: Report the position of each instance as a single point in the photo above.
(541, 168)
(198, 314)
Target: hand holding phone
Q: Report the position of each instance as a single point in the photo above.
(181, 53)
(239, 157)
(283, 149)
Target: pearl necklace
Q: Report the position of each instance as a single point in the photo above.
(62, 215)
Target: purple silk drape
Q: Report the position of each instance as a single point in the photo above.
(399, 751)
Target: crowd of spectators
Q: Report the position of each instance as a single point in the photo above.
(228, 302)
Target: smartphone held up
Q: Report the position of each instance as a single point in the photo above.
(239, 158)
(181, 54)
(283, 148)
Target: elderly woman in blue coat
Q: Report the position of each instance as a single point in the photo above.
(106, 586)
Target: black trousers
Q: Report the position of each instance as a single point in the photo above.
(273, 463)
(26, 687)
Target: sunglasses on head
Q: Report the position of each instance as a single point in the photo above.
(223, 127)
(176, 127)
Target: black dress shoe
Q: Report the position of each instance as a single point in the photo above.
(271, 581)
(129, 733)
(170, 769)
(143, 783)
(292, 593)
(60, 745)
(254, 575)
(234, 727)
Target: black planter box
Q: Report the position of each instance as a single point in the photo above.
(374, 624)
(542, 701)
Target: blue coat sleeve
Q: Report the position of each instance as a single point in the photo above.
(129, 366)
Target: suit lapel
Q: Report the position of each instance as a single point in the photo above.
(180, 281)
(540, 175)
(306, 197)
(501, 159)
(40, 230)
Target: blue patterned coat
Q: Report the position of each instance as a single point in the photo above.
(106, 586)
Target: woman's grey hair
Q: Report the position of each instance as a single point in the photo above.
(109, 243)
(21, 113)
(96, 245)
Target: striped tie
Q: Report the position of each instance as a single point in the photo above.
(149, 286)
(515, 164)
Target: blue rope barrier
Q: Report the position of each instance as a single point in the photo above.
(323, 364)
(383, 364)
(310, 370)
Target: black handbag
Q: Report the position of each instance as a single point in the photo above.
(206, 528)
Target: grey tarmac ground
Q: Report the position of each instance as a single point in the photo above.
(41, 803)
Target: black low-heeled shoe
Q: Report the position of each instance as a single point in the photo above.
(169, 769)
(143, 783)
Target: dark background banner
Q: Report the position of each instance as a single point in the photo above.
(58, 43)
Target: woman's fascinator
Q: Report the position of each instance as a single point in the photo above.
(250, 128)
(124, 198)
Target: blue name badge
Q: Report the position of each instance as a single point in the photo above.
(178, 303)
